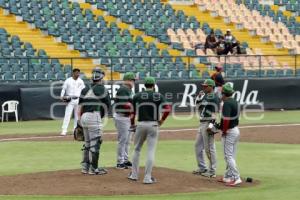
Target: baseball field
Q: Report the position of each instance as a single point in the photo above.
(37, 163)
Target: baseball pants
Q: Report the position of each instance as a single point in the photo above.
(123, 125)
(229, 142)
(92, 129)
(205, 142)
(71, 106)
(145, 131)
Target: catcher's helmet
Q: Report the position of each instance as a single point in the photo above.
(97, 74)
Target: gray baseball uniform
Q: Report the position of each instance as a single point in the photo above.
(229, 142)
(208, 106)
(123, 107)
(147, 105)
(230, 136)
(94, 104)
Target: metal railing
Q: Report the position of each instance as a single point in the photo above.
(38, 69)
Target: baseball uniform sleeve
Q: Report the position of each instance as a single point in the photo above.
(166, 108)
(64, 88)
(134, 102)
(226, 117)
(82, 86)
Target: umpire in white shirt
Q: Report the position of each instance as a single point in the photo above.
(70, 94)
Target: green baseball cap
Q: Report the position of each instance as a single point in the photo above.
(129, 76)
(227, 89)
(150, 80)
(209, 82)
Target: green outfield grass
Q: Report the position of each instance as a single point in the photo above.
(180, 121)
(275, 165)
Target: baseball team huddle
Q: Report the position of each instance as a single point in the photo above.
(139, 116)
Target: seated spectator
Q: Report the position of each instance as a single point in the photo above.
(211, 42)
(231, 43)
(199, 46)
(221, 48)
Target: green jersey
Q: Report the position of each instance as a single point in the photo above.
(148, 104)
(231, 111)
(123, 100)
(208, 105)
(95, 98)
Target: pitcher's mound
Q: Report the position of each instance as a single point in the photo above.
(72, 182)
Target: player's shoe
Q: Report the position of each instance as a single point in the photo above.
(130, 177)
(98, 171)
(121, 166)
(84, 171)
(128, 163)
(208, 174)
(199, 171)
(63, 133)
(149, 181)
(234, 183)
(225, 180)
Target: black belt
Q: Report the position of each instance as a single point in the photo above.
(74, 98)
(205, 120)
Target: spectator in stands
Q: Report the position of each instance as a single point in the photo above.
(70, 94)
(221, 50)
(198, 46)
(211, 42)
(231, 43)
(219, 80)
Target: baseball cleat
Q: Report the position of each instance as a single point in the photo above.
(130, 177)
(84, 171)
(199, 171)
(208, 175)
(98, 171)
(128, 163)
(63, 134)
(151, 181)
(225, 180)
(121, 166)
(234, 183)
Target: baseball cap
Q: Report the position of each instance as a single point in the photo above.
(227, 89)
(97, 74)
(228, 30)
(219, 68)
(149, 80)
(129, 76)
(209, 82)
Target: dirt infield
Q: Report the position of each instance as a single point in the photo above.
(288, 134)
(72, 182)
(116, 182)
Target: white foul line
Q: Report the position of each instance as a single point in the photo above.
(29, 138)
(165, 130)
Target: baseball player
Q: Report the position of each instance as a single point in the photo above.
(208, 104)
(147, 105)
(70, 93)
(94, 103)
(123, 108)
(230, 135)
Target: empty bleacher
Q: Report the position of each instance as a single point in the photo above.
(146, 37)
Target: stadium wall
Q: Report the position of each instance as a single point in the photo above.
(41, 101)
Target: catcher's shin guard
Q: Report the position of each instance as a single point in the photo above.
(85, 157)
(94, 152)
(94, 160)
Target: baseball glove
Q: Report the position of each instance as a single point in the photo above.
(213, 128)
(78, 133)
(66, 99)
(132, 128)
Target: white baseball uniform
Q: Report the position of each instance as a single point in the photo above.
(71, 88)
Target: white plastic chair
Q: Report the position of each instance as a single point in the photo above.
(12, 107)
